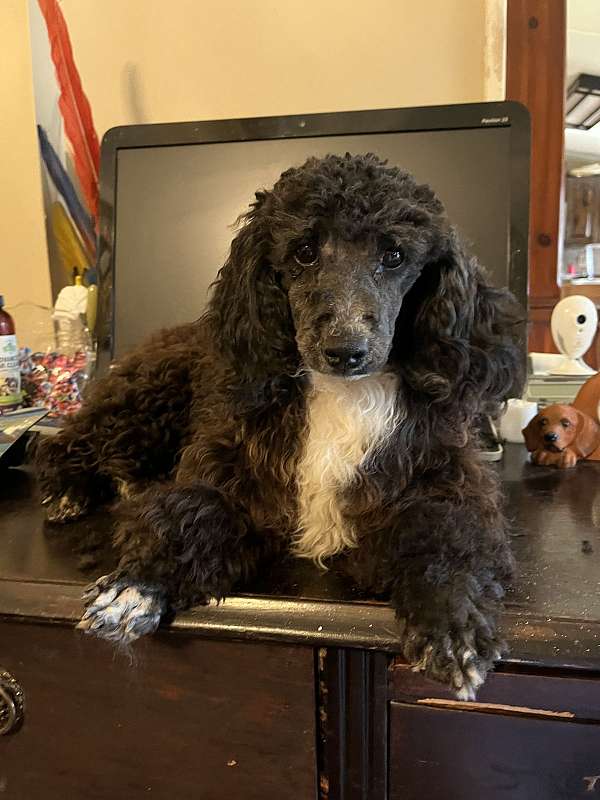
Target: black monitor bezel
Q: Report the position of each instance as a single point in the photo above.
(504, 114)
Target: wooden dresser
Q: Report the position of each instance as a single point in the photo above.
(292, 690)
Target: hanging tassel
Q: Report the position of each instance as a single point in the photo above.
(74, 105)
(67, 191)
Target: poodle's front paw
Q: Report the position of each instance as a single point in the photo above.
(122, 610)
(455, 660)
(65, 508)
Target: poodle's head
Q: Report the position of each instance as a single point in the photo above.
(345, 266)
(350, 238)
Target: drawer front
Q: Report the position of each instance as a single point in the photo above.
(443, 754)
(577, 696)
(185, 718)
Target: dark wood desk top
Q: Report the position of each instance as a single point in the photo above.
(553, 610)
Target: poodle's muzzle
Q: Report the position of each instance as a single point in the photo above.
(351, 350)
(346, 332)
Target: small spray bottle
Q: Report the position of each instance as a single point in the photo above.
(10, 375)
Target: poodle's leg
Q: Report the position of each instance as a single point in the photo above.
(129, 430)
(67, 472)
(449, 630)
(179, 545)
(449, 567)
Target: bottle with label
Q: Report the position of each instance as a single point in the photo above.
(10, 376)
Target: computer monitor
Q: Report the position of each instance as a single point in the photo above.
(170, 194)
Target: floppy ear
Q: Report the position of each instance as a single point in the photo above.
(531, 434)
(463, 334)
(248, 310)
(587, 438)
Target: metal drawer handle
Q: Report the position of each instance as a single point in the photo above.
(12, 704)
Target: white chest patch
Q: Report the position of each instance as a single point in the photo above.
(347, 421)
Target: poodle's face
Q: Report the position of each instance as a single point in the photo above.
(350, 237)
(344, 298)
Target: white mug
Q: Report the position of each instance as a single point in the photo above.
(517, 416)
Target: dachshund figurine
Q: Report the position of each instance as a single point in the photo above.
(560, 436)
(588, 402)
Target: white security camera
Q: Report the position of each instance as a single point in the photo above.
(574, 323)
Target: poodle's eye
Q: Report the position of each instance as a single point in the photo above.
(543, 421)
(307, 254)
(392, 258)
(565, 423)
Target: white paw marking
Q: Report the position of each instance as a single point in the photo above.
(125, 489)
(466, 676)
(63, 508)
(121, 611)
(475, 676)
(422, 663)
(69, 506)
(465, 693)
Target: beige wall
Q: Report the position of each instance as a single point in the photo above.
(23, 260)
(151, 60)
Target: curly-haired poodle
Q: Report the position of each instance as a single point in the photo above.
(325, 404)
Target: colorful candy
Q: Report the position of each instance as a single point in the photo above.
(53, 380)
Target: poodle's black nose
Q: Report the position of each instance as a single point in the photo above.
(346, 356)
(550, 437)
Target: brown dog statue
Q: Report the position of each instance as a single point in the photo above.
(588, 401)
(561, 435)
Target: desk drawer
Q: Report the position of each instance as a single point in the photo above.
(445, 754)
(550, 693)
(188, 718)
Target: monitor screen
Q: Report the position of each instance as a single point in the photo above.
(175, 209)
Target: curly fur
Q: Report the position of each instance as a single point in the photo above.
(217, 428)
(346, 421)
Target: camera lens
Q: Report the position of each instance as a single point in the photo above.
(581, 319)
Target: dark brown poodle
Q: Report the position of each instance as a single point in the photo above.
(324, 405)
